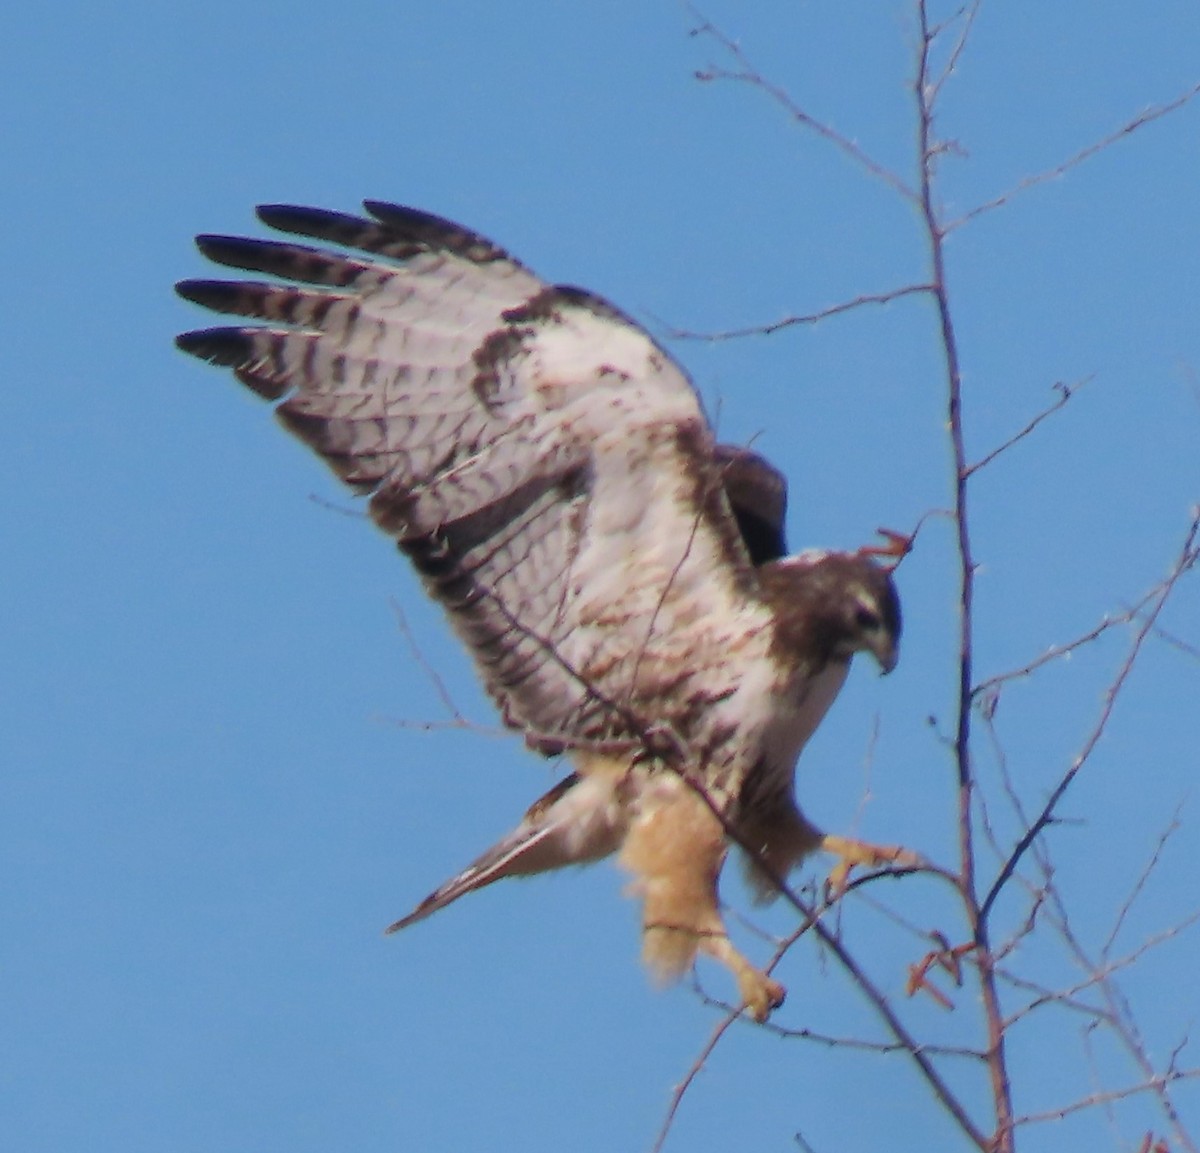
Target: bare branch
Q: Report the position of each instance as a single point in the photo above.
(967, 16)
(791, 321)
(930, 149)
(985, 691)
(1151, 1084)
(1057, 998)
(337, 507)
(1187, 558)
(680, 1090)
(1119, 1018)
(811, 921)
(915, 1050)
(828, 1041)
(1177, 642)
(1068, 998)
(435, 679)
(1065, 392)
(746, 73)
(1140, 884)
(1128, 128)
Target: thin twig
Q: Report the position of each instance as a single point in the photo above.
(1065, 392)
(986, 690)
(968, 22)
(434, 676)
(750, 75)
(680, 1090)
(337, 507)
(828, 1041)
(1130, 126)
(1178, 643)
(1120, 1021)
(1152, 1084)
(867, 298)
(1187, 558)
(1096, 975)
(1140, 884)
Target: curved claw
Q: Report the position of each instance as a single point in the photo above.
(762, 996)
(852, 853)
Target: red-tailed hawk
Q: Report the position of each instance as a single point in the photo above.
(618, 576)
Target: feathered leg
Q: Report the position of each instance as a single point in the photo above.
(675, 847)
(779, 836)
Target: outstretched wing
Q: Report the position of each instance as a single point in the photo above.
(545, 465)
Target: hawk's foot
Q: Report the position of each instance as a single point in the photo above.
(760, 994)
(851, 853)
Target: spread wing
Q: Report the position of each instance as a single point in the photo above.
(545, 465)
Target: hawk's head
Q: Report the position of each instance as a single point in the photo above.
(830, 605)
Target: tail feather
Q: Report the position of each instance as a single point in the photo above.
(497, 862)
(577, 821)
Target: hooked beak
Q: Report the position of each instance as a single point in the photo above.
(887, 653)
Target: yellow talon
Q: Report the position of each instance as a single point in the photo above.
(851, 853)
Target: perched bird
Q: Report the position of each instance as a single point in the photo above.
(618, 576)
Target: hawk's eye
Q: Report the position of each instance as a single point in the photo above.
(866, 620)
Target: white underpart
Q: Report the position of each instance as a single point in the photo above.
(795, 721)
(586, 823)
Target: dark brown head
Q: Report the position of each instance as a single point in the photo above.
(832, 605)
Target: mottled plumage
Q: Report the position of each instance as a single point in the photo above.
(619, 577)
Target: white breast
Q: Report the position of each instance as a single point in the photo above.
(797, 719)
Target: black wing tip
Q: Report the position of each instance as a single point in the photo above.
(436, 233)
(404, 217)
(209, 240)
(233, 348)
(206, 293)
(242, 252)
(303, 219)
(395, 231)
(225, 346)
(390, 229)
(287, 216)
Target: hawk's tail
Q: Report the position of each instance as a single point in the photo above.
(577, 821)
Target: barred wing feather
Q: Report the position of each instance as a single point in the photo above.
(545, 465)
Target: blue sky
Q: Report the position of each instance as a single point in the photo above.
(211, 796)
